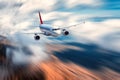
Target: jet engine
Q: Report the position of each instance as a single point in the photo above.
(65, 32)
(37, 37)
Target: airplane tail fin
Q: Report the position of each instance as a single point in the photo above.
(41, 21)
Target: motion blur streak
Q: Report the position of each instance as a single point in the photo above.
(59, 66)
(17, 53)
(24, 47)
(22, 58)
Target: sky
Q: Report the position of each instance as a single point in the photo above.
(102, 18)
(54, 10)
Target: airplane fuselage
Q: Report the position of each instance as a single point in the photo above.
(48, 30)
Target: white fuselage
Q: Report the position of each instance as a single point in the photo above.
(49, 31)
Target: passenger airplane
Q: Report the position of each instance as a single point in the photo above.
(48, 30)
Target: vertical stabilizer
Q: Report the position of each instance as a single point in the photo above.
(41, 22)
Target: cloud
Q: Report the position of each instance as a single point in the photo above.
(2, 5)
(104, 33)
(73, 3)
(15, 17)
(27, 50)
(36, 5)
(21, 15)
(100, 33)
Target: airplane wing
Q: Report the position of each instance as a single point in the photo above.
(66, 27)
(74, 25)
(34, 33)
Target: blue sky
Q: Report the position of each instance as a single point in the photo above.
(95, 8)
(112, 5)
(98, 9)
(106, 5)
(109, 9)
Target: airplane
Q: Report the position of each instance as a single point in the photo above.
(48, 30)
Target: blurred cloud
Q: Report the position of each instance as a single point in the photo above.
(43, 5)
(26, 50)
(105, 34)
(73, 3)
(20, 15)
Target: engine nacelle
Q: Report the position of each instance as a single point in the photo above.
(64, 32)
(36, 37)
